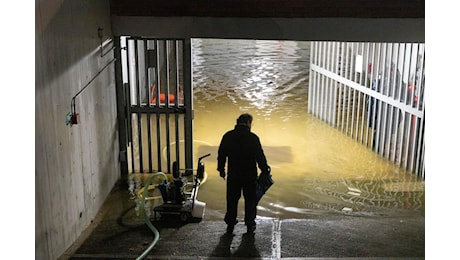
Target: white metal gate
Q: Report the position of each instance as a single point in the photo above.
(157, 76)
(374, 93)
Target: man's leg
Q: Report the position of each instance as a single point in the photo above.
(250, 206)
(233, 196)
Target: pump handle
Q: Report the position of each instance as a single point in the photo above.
(204, 156)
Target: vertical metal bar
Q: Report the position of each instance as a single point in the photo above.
(149, 133)
(411, 141)
(328, 83)
(420, 75)
(401, 79)
(128, 105)
(321, 82)
(353, 74)
(401, 132)
(347, 87)
(188, 102)
(407, 129)
(357, 80)
(310, 79)
(158, 82)
(331, 85)
(334, 86)
(166, 57)
(338, 85)
(149, 143)
(370, 98)
(377, 101)
(121, 108)
(413, 61)
(139, 115)
(415, 132)
(422, 162)
(128, 97)
(422, 82)
(384, 90)
(341, 66)
(176, 115)
(406, 150)
(365, 97)
(326, 99)
(314, 51)
(158, 119)
(129, 122)
(390, 91)
(167, 119)
(397, 96)
(377, 105)
(421, 149)
(402, 99)
(324, 84)
(136, 60)
(315, 93)
(311, 87)
(383, 87)
(394, 109)
(321, 85)
(408, 53)
(414, 140)
(168, 141)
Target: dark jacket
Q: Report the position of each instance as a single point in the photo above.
(244, 152)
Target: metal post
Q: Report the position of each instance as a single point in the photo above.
(188, 102)
(121, 106)
(157, 103)
(342, 89)
(147, 89)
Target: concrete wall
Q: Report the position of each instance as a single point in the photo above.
(75, 166)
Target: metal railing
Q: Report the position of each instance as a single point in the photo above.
(374, 93)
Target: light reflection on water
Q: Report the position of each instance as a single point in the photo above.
(317, 170)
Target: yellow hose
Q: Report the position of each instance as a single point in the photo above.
(147, 219)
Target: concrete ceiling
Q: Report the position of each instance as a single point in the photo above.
(346, 20)
(271, 8)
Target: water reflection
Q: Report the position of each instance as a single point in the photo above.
(252, 74)
(317, 170)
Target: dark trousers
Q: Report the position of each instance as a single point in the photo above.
(234, 188)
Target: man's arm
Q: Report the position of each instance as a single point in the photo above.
(261, 159)
(222, 158)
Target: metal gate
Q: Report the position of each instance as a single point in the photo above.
(374, 93)
(159, 108)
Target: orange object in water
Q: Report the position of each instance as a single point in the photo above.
(163, 99)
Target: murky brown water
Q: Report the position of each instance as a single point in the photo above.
(317, 170)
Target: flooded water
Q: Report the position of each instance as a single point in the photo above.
(317, 170)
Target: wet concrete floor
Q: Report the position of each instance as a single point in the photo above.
(119, 233)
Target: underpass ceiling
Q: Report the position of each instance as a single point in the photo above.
(343, 20)
(271, 8)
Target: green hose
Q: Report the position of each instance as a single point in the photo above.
(147, 218)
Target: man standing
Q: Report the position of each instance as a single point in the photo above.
(244, 152)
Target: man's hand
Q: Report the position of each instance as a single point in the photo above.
(222, 174)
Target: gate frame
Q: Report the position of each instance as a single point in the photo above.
(125, 109)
